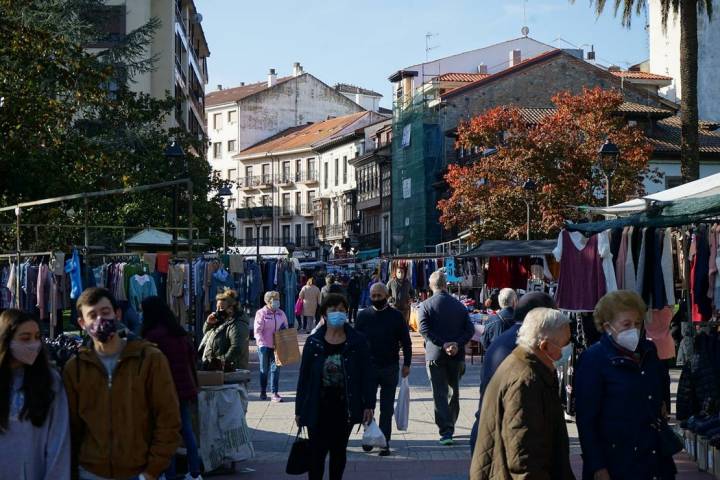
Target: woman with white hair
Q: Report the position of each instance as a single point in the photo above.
(522, 432)
(269, 320)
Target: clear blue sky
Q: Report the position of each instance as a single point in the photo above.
(364, 41)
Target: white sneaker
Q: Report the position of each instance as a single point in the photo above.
(190, 477)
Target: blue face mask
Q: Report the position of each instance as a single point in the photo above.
(275, 304)
(336, 319)
(566, 353)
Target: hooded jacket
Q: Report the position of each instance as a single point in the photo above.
(126, 425)
(229, 342)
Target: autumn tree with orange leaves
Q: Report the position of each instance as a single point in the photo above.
(559, 154)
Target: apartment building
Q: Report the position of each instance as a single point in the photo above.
(179, 47)
(281, 179)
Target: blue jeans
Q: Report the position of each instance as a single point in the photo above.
(266, 357)
(193, 458)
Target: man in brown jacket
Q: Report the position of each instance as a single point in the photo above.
(522, 431)
(124, 412)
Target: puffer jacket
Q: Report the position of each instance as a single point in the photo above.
(522, 433)
(357, 367)
(699, 386)
(618, 399)
(685, 350)
(228, 343)
(126, 425)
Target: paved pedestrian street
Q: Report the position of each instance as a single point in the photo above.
(416, 453)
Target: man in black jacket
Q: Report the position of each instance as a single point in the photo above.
(386, 331)
(446, 326)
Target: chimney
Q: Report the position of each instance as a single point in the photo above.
(591, 53)
(242, 84)
(482, 68)
(219, 86)
(297, 69)
(272, 78)
(613, 68)
(515, 57)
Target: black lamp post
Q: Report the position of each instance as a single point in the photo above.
(607, 162)
(223, 193)
(529, 188)
(172, 153)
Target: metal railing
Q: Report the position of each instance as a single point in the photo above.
(308, 176)
(256, 181)
(300, 242)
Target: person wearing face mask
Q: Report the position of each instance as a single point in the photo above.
(225, 344)
(124, 410)
(401, 293)
(335, 389)
(622, 390)
(522, 433)
(34, 424)
(386, 331)
(269, 320)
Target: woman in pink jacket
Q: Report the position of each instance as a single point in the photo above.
(269, 320)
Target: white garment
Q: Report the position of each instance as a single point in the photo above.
(603, 244)
(12, 280)
(666, 263)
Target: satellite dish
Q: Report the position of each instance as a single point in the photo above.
(198, 17)
(525, 31)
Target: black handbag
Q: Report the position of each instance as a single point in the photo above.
(299, 458)
(670, 442)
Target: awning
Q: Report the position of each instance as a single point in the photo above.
(152, 237)
(265, 251)
(367, 254)
(670, 214)
(703, 187)
(511, 248)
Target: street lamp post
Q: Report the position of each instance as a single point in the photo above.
(172, 153)
(608, 156)
(223, 193)
(529, 188)
(258, 223)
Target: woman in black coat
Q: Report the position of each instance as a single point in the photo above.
(622, 390)
(335, 390)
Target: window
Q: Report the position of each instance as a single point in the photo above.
(217, 121)
(325, 180)
(232, 173)
(298, 235)
(337, 172)
(266, 235)
(266, 200)
(345, 165)
(231, 204)
(232, 116)
(248, 172)
(248, 235)
(266, 173)
(336, 214)
(310, 199)
(286, 172)
(310, 228)
(217, 150)
(298, 201)
(286, 203)
(285, 234)
(231, 145)
(298, 170)
(311, 169)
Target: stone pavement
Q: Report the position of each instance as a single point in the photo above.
(416, 453)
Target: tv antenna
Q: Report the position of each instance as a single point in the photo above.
(525, 30)
(428, 47)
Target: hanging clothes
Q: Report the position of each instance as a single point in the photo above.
(582, 278)
(657, 328)
(701, 304)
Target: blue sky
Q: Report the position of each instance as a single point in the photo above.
(364, 41)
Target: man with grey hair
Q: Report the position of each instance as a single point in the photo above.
(446, 327)
(502, 320)
(522, 431)
(386, 332)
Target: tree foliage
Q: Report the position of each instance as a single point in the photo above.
(70, 122)
(559, 154)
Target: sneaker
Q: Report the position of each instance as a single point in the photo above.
(447, 441)
(190, 477)
(384, 452)
(367, 448)
(276, 398)
(263, 396)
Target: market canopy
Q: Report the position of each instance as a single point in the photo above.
(511, 248)
(151, 237)
(703, 187)
(367, 254)
(659, 214)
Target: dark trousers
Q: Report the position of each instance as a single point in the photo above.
(445, 377)
(352, 313)
(330, 436)
(386, 378)
(306, 322)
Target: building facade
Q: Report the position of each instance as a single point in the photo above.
(367, 99)
(179, 48)
(665, 57)
(247, 115)
(279, 181)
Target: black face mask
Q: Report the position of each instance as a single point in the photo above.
(379, 304)
(221, 316)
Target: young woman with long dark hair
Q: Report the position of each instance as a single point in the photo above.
(161, 327)
(34, 425)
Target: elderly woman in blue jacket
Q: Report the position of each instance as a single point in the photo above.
(621, 392)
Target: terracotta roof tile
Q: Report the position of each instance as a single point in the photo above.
(227, 95)
(347, 88)
(666, 137)
(305, 136)
(535, 115)
(641, 75)
(461, 77)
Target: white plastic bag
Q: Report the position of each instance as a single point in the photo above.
(402, 407)
(373, 436)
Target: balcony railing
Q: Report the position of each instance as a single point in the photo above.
(300, 242)
(305, 209)
(309, 176)
(285, 179)
(251, 213)
(287, 212)
(257, 181)
(333, 231)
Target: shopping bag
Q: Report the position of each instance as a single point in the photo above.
(299, 458)
(373, 436)
(402, 407)
(299, 307)
(287, 350)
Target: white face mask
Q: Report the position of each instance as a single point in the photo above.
(628, 339)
